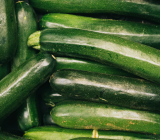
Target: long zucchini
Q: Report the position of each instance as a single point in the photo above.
(58, 133)
(83, 64)
(116, 90)
(142, 33)
(133, 57)
(28, 112)
(8, 30)
(19, 84)
(88, 115)
(148, 9)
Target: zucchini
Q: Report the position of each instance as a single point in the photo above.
(8, 34)
(8, 136)
(99, 116)
(147, 34)
(19, 84)
(111, 89)
(58, 133)
(27, 113)
(133, 57)
(83, 64)
(148, 9)
(85, 138)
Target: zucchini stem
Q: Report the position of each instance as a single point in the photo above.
(33, 40)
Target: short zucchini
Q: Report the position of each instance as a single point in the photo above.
(19, 84)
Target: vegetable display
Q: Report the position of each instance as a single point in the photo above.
(79, 70)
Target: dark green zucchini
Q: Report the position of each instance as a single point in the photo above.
(4, 70)
(111, 89)
(89, 115)
(19, 84)
(148, 9)
(8, 136)
(8, 30)
(142, 33)
(58, 133)
(28, 112)
(133, 57)
(83, 64)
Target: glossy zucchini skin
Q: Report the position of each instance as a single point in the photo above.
(8, 34)
(142, 33)
(99, 116)
(59, 133)
(28, 112)
(4, 70)
(133, 57)
(148, 9)
(8, 136)
(87, 65)
(110, 89)
(19, 84)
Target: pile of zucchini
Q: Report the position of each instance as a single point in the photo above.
(67, 73)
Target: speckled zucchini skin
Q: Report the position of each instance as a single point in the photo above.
(110, 89)
(59, 133)
(8, 136)
(142, 33)
(28, 112)
(19, 84)
(148, 9)
(88, 115)
(133, 57)
(8, 30)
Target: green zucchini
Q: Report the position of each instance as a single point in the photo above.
(28, 112)
(99, 116)
(8, 136)
(83, 64)
(147, 34)
(4, 70)
(110, 89)
(148, 9)
(19, 84)
(58, 133)
(133, 57)
(85, 138)
(8, 33)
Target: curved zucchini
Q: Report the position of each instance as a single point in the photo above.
(133, 57)
(148, 9)
(8, 33)
(58, 133)
(19, 84)
(88, 115)
(110, 89)
(4, 70)
(8, 136)
(27, 113)
(142, 33)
